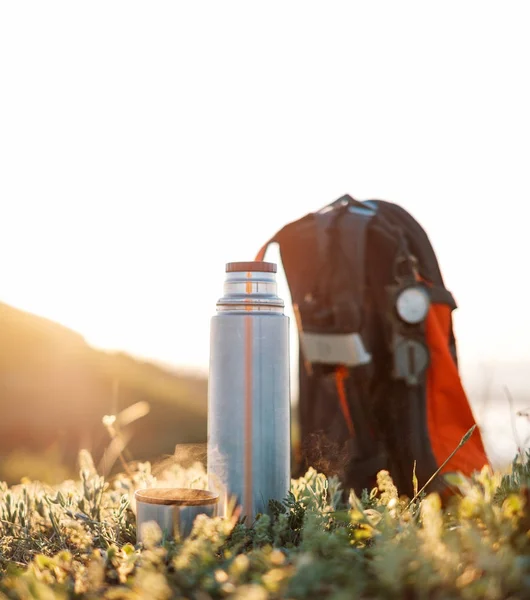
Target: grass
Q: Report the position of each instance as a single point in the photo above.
(78, 540)
(72, 534)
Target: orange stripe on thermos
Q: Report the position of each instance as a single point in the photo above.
(248, 407)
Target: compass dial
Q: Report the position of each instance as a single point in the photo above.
(412, 304)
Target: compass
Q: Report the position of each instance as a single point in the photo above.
(412, 304)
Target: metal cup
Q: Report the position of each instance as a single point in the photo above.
(173, 509)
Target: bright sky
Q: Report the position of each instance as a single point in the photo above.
(144, 145)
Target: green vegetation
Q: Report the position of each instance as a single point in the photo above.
(78, 540)
(67, 513)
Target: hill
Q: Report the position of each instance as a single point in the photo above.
(55, 389)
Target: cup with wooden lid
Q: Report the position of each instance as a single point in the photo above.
(173, 509)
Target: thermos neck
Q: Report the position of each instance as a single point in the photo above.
(252, 290)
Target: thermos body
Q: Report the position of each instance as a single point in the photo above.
(249, 446)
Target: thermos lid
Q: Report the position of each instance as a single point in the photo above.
(176, 496)
(255, 265)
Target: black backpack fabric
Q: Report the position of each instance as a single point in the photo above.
(345, 266)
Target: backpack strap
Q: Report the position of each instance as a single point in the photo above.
(263, 250)
(348, 238)
(347, 255)
(344, 280)
(341, 373)
(339, 231)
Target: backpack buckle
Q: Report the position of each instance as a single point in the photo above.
(334, 348)
(330, 347)
(411, 358)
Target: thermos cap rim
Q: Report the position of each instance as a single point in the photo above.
(255, 265)
(176, 496)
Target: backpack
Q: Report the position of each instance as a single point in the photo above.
(379, 385)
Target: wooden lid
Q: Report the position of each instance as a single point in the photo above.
(176, 496)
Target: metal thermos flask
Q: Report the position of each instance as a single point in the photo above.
(249, 439)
